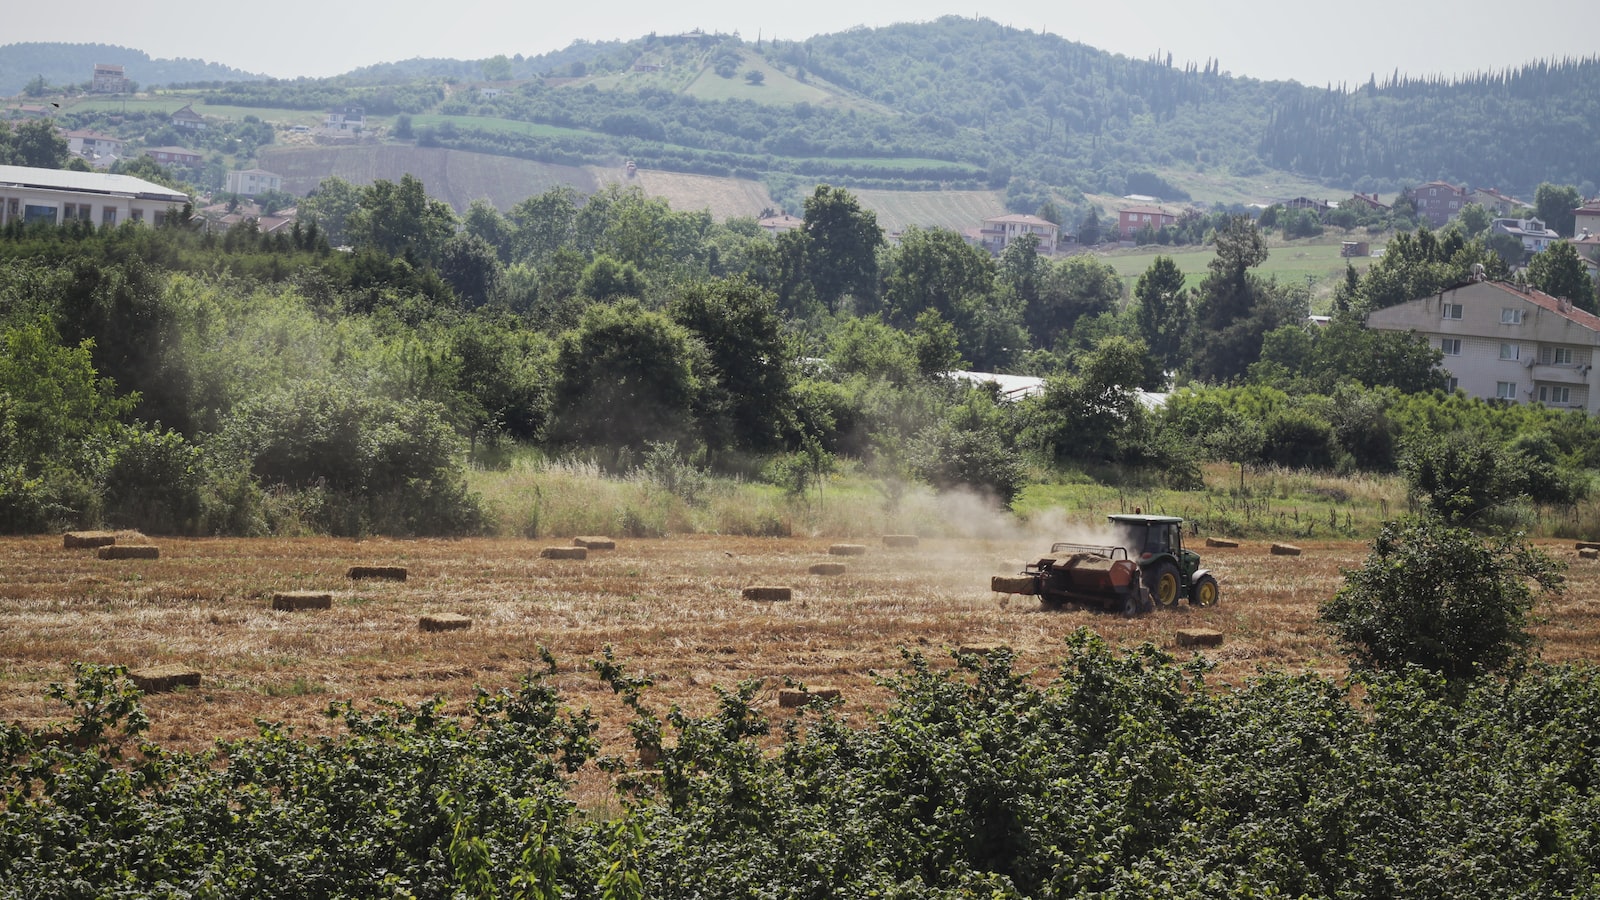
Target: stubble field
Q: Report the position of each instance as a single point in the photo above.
(671, 608)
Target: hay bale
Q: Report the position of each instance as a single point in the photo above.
(444, 622)
(848, 550)
(382, 573)
(564, 553)
(1588, 545)
(1199, 637)
(1014, 584)
(792, 698)
(983, 650)
(1589, 553)
(1220, 542)
(291, 601)
(160, 679)
(829, 568)
(75, 540)
(1285, 550)
(767, 594)
(901, 541)
(128, 551)
(594, 543)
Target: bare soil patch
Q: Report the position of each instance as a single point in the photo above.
(672, 608)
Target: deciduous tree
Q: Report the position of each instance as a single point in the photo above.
(1437, 596)
(842, 246)
(1559, 272)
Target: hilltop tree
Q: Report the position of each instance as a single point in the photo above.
(935, 269)
(1089, 228)
(1560, 272)
(746, 400)
(1474, 219)
(1233, 308)
(330, 206)
(1162, 311)
(1073, 289)
(401, 220)
(35, 143)
(842, 246)
(625, 377)
(1554, 204)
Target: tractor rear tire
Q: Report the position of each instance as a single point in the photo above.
(1166, 588)
(1204, 591)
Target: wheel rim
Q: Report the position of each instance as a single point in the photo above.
(1206, 594)
(1167, 589)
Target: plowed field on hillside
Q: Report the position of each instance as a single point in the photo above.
(454, 176)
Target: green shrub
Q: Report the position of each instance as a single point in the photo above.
(363, 463)
(1436, 596)
(153, 482)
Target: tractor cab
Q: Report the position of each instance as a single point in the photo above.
(1171, 572)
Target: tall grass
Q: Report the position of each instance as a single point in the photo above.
(537, 498)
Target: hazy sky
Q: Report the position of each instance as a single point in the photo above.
(1311, 43)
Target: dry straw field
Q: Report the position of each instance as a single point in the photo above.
(675, 608)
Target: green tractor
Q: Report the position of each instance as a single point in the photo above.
(1169, 571)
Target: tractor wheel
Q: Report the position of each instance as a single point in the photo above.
(1166, 588)
(1204, 592)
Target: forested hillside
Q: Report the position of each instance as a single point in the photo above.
(953, 104)
(1511, 129)
(68, 64)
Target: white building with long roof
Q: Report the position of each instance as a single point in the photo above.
(59, 196)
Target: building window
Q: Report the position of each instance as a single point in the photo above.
(1510, 317)
(1451, 311)
(108, 216)
(1505, 390)
(138, 215)
(1510, 351)
(1555, 356)
(1550, 394)
(1450, 346)
(1451, 383)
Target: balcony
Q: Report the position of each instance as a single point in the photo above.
(1561, 374)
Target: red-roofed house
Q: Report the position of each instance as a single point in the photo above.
(1499, 342)
(187, 119)
(1499, 205)
(1368, 201)
(1587, 217)
(1132, 218)
(1438, 203)
(778, 224)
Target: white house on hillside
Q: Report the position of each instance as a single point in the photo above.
(1000, 231)
(1499, 342)
(250, 182)
(1533, 234)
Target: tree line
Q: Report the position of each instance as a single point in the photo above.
(183, 381)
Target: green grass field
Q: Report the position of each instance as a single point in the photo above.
(1290, 263)
(168, 103)
(776, 88)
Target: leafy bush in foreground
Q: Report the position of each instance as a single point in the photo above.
(1124, 777)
